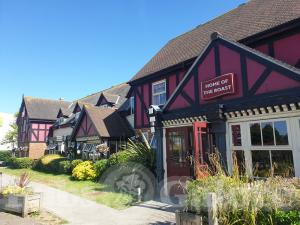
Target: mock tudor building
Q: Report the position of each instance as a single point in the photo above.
(36, 117)
(100, 126)
(232, 85)
(61, 138)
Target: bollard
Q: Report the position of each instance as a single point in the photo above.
(212, 209)
(139, 194)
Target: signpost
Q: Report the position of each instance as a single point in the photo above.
(219, 86)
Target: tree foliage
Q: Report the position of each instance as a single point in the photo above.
(11, 137)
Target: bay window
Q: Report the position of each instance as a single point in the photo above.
(159, 93)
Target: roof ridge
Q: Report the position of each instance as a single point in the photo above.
(46, 99)
(99, 92)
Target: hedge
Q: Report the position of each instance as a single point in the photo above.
(5, 156)
(64, 167)
(20, 163)
(100, 166)
(49, 163)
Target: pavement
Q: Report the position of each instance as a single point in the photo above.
(79, 211)
(9, 219)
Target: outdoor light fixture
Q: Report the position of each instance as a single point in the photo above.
(78, 151)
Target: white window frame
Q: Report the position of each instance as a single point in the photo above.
(159, 93)
(292, 120)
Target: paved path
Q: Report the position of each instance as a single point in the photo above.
(9, 219)
(79, 211)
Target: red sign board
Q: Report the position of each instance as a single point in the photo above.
(219, 86)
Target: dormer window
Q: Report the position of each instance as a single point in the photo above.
(159, 93)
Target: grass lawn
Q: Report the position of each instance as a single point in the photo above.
(87, 189)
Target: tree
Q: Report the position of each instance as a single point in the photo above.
(11, 137)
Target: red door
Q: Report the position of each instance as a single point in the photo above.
(179, 143)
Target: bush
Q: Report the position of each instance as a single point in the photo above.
(49, 163)
(100, 166)
(5, 156)
(122, 157)
(84, 171)
(20, 163)
(75, 163)
(64, 167)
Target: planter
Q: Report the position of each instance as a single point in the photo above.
(21, 204)
(185, 218)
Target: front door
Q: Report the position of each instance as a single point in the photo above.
(179, 151)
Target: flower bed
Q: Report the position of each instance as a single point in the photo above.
(275, 200)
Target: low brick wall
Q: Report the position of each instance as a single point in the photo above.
(37, 150)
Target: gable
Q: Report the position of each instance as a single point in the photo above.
(254, 74)
(85, 128)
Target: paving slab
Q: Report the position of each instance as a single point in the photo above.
(9, 219)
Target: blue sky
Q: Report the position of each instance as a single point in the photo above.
(72, 48)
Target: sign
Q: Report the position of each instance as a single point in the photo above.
(219, 86)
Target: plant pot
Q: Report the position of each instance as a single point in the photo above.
(185, 218)
(22, 204)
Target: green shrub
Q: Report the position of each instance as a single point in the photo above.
(75, 162)
(100, 166)
(49, 163)
(5, 156)
(142, 152)
(64, 167)
(20, 163)
(283, 218)
(84, 171)
(122, 157)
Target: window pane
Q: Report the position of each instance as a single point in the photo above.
(261, 163)
(281, 133)
(155, 100)
(158, 88)
(162, 99)
(282, 162)
(268, 134)
(255, 134)
(236, 135)
(177, 147)
(240, 161)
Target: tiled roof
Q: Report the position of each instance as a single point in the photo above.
(108, 122)
(43, 109)
(246, 20)
(120, 90)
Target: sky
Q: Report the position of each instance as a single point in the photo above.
(72, 48)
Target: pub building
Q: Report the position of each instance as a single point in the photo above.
(229, 85)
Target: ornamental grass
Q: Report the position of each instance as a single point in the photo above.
(243, 201)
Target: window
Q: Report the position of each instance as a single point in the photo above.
(255, 134)
(159, 94)
(177, 146)
(238, 159)
(280, 163)
(269, 133)
(236, 135)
